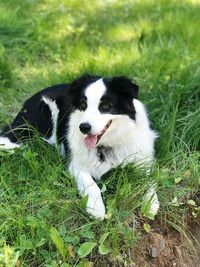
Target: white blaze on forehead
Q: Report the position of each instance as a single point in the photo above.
(92, 115)
(94, 92)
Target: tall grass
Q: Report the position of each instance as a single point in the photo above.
(42, 218)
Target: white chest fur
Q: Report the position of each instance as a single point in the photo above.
(127, 141)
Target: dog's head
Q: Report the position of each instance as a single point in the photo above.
(101, 102)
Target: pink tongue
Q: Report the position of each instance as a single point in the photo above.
(90, 141)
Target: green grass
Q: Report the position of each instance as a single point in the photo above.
(156, 43)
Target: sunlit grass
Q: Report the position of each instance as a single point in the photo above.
(44, 43)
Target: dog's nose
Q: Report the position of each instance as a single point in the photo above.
(85, 127)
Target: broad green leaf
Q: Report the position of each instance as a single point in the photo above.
(103, 238)
(191, 202)
(25, 243)
(72, 239)
(149, 215)
(86, 231)
(83, 202)
(86, 248)
(41, 242)
(147, 227)
(58, 241)
(178, 180)
(103, 250)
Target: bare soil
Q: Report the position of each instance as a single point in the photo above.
(167, 247)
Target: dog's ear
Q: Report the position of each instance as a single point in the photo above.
(79, 84)
(123, 85)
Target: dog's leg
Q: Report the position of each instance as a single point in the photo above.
(152, 198)
(87, 187)
(151, 195)
(6, 144)
(9, 138)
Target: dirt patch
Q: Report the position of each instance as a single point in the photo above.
(169, 248)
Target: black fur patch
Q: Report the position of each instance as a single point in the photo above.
(121, 92)
(103, 152)
(78, 86)
(36, 114)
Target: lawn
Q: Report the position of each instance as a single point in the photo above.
(155, 43)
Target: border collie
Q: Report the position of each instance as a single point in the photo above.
(97, 121)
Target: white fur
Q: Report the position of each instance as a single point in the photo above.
(54, 117)
(92, 115)
(152, 198)
(5, 143)
(87, 187)
(131, 141)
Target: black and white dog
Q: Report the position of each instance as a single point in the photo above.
(98, 121)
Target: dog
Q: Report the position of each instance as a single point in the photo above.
(99, 122)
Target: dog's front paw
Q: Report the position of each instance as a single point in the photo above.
(95, 206)
(154, 205)
(151, 200)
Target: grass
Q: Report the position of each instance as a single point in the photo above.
(42, 218)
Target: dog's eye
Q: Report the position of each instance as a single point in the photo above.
(82, 105)
(105, 106)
